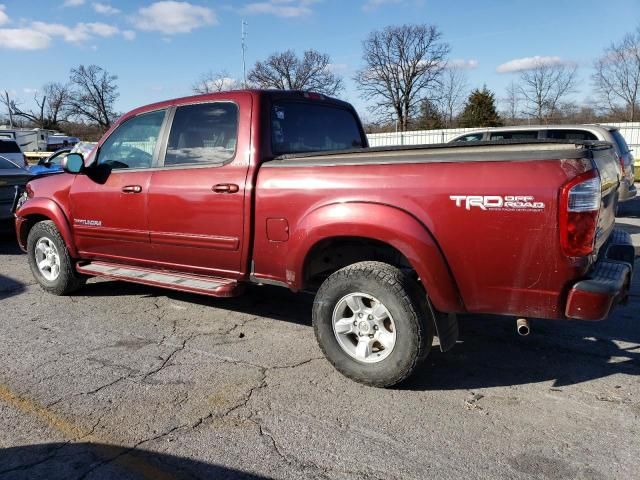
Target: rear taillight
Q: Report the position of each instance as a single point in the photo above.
(579, 208)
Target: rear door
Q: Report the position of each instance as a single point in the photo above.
(196, 200)
(109, 202)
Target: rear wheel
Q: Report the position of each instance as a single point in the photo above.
(50, 261)
(371, 321)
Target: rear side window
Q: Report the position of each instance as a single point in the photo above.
(206, 133)
(570, 135)
(620, 141)
(9, 147)
(528, 135)
(298, 127)
(470, 138)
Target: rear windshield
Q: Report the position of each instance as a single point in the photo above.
(298, 127)
(622, 143)
(9, 147)
(6, 164)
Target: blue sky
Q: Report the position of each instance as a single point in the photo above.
(159, 49)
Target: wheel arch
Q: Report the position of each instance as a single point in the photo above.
(43, 209)
(387, 227)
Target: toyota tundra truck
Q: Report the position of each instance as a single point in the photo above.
(211, 193)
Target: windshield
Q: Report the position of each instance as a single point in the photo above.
(622, 143)
(298, 127)
(7, 164)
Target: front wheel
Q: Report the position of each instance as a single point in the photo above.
(49, 260)
(371, 321)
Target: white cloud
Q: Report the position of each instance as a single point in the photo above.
(129, 34)
(23, 39)
(171, 17)
(105, 8)
(73, 3)
(29, 91)
(337, 67)
(4, 18)
(370, 5)
(280, 8)
(528, 63)
(463, 64)
(78, 34)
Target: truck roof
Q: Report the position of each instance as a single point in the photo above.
(258, 93)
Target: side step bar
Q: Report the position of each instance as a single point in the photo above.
(212, 286)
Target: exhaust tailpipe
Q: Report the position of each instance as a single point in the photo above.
(522, 326)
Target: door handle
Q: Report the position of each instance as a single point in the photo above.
(132, 189)
(225, 188)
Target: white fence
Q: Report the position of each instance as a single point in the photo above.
(630, 131)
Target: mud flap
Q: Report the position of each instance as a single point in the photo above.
(446, 328)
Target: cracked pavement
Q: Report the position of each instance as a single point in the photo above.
(128, 381)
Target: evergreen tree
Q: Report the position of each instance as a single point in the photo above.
(480, 110)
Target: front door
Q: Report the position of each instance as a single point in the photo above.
(109, 201)
(196, 200)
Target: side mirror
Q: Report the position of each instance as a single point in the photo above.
(73, 163)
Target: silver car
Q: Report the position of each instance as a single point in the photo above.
(566, 132)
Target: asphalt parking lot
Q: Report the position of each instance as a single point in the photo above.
(127, 381)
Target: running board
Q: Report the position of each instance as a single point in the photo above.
(212, 286)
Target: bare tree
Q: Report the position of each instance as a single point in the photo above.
(94, 92)
(402, 63)
(212, 82)
(285, 71)
(451, 93)
(617, 75)
(544, 86)
(51, 102)
(512, 102)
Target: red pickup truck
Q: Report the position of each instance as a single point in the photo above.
(210, 193)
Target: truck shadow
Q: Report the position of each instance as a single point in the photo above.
(53, 461)
(489, 353)
(10, 287)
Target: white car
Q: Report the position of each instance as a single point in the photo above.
(10, 150)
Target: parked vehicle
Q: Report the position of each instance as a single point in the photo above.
(12, 175)
(567, 132)
(11, 150)
(53, 163)
(208, 194)
(38, 139)
(50, 164)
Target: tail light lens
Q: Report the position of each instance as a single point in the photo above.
(579, 208)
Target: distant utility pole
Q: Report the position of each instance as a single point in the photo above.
(244, 51)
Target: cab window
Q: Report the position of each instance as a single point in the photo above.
(132, 144)
(205, 133)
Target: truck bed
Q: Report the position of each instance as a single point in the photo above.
(503, 260)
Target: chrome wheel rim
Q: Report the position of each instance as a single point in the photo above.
(47, 259)
(364, 328)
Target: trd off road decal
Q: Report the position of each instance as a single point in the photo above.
(498, 202)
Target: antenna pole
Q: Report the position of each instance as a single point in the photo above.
(244, 51)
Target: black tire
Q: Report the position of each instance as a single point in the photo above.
(405, 301)
(68, 279)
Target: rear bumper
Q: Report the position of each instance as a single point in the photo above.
(606, 284)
